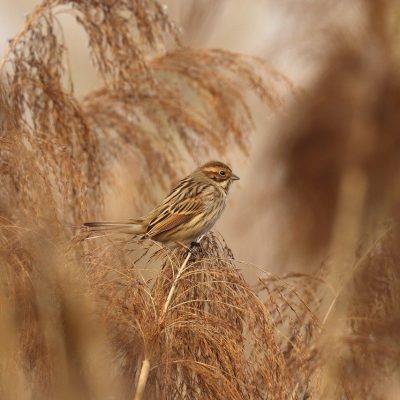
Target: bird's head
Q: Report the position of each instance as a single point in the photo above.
(219, 172)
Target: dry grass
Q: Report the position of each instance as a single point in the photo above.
(116, 318)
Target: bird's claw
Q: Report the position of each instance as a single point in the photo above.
(197, 249)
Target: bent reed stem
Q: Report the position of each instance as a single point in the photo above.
(144, 374)
(145, 369)
(174, 284)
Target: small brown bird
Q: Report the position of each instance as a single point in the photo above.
(187, 213)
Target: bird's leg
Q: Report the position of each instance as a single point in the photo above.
(195, 247)
(196, 243)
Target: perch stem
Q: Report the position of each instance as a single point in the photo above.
(174, 284)
(144, 374)
(144, 371)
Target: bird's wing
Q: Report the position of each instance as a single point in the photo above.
(175, 215)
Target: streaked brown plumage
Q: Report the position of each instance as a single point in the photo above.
(187, 213)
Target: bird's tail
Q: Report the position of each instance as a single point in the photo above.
(134, 227)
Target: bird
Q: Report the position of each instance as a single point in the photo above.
(188, 212)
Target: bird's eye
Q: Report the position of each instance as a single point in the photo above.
(222, 173)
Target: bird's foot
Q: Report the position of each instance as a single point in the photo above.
(197, 249)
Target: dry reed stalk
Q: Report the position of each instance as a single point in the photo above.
(180, 271)
(346, 236)
(144, 372)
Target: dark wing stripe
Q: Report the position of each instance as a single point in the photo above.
(175, 215)
(169, 223)
(159, 218)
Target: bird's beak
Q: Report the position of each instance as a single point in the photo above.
(234, 177)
